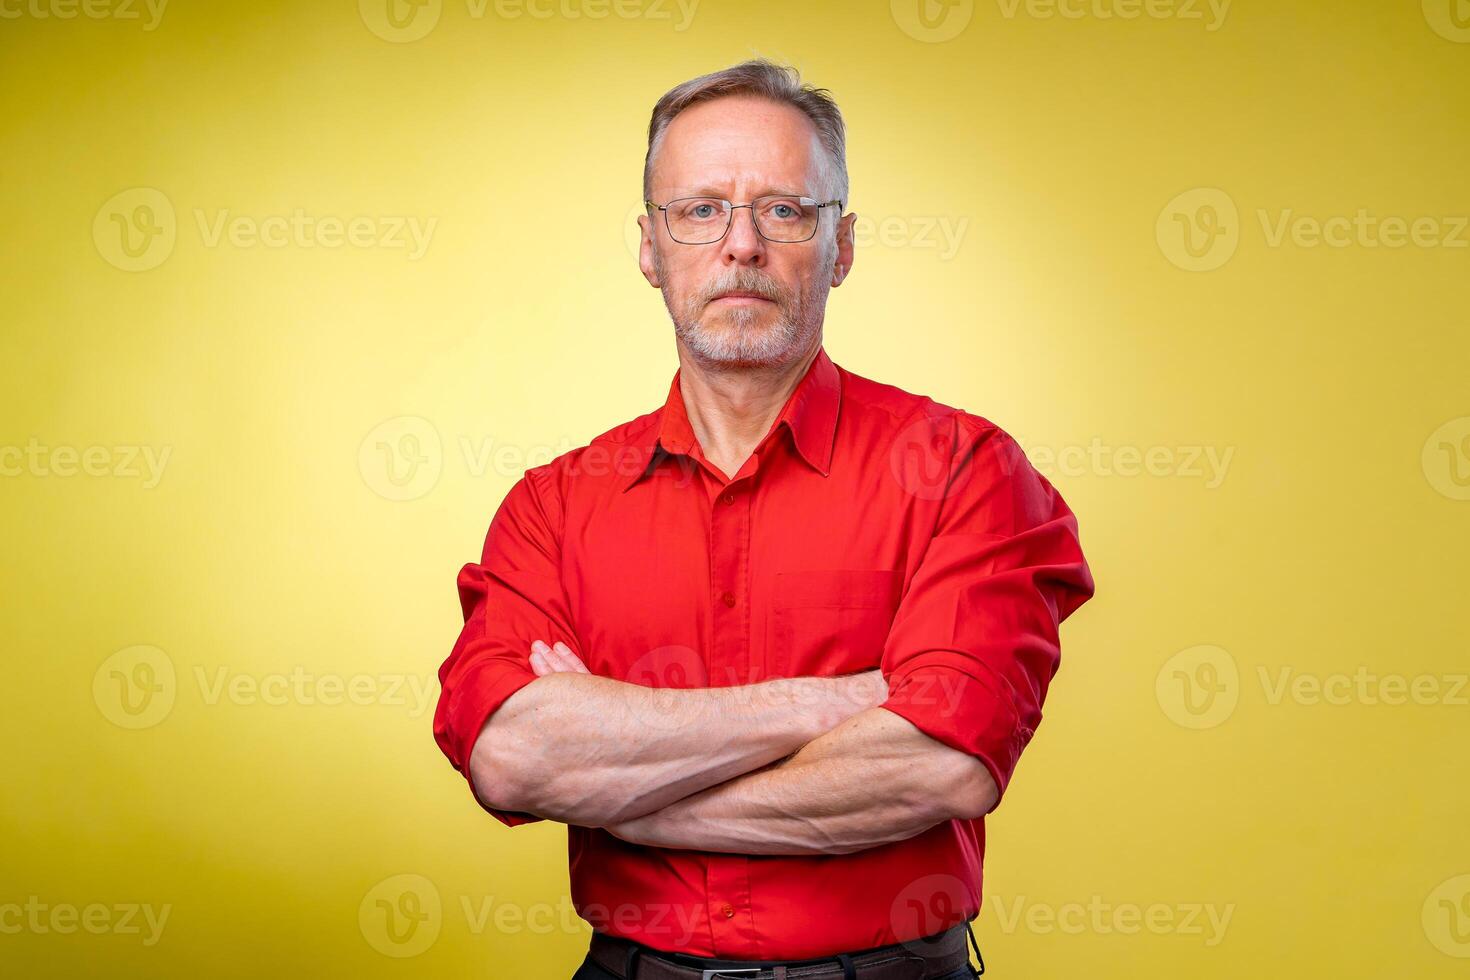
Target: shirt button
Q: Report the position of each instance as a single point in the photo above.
(729, 498)
(728, 599)
(728, 910)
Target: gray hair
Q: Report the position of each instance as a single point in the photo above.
(764, 79)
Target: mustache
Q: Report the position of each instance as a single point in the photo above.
(745, 282)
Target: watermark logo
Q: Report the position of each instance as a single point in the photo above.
(400, 21)
(1199, 230)
(668, 672)
(1446, 459)
(925, 908)
(1446, 917)
(921, 458)
(401, 459)
(138, 687)
(135, 230)
(404, 915)
(401, 916)
(1450, 19)
(1201, 686)
(932, 21)
(135, 687)
(1198, 687)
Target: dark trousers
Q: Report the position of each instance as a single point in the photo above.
(591, 971)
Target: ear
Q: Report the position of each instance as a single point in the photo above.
(842, 265)
(645, 250)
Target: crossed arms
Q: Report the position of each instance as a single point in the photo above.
(704, 768)
(803, 765)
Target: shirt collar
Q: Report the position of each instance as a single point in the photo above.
(810, 414)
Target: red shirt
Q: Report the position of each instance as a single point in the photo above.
(871, 527)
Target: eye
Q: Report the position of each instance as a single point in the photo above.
(782, 209)
(698, 209)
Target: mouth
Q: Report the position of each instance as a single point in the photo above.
(740, 296)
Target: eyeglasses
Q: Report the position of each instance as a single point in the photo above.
(782, 218)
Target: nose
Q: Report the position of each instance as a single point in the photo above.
(742, 244)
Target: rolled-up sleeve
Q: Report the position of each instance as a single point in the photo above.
(975, 641)
(511, 598)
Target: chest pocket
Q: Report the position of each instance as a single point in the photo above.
(831, 622)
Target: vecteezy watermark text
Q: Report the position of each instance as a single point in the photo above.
(405, 21)
(1201, 686)
(402, 916)
(97, 918)
(1197, 462)
(123, 462)
(1203, 920)
(1200, 229)
(137, 687)
(136, 230)
(138, 10)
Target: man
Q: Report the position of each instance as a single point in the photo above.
(771, 652)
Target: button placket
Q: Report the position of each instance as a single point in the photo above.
(729, 532)
(727, 876)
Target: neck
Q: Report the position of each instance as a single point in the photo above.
(732, 408)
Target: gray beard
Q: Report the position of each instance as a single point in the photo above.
(739, 340)
(748, 336)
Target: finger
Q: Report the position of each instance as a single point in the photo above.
(538, 664)
(571, 658)
(561, 659)
(554, 661)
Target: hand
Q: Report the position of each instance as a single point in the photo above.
(558, 659)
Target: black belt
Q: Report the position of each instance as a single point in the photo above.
(917, 959)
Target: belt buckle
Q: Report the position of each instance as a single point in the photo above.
(727, 971)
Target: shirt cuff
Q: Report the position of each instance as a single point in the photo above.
(476, 697)
(956, 700)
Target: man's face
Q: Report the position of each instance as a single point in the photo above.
(740, 148)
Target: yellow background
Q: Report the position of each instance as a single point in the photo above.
(1334, 834)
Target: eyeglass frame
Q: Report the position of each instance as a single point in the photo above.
(735, 207)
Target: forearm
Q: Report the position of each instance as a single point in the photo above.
(590, 751)
(872, 780)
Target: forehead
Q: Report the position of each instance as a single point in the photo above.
(740, 143)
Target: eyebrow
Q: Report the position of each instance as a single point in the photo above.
(709, 191)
